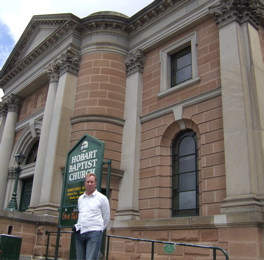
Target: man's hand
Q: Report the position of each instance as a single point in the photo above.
(74, 228)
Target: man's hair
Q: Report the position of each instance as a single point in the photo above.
(89, 175)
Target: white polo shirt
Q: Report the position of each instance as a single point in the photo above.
(94, 212)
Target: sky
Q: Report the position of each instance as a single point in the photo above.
(16, 14)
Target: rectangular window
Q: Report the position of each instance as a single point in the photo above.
(179, 65)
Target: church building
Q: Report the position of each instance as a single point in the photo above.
(176, 94)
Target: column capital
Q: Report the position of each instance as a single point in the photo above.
(12, 102)
(135, 62)
(68, 62)
(241, 11)
(53, 72)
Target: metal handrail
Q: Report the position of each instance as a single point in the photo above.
(48, 234)
(214, 248)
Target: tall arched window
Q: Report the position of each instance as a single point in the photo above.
(32, 156)
(27, 183)
(185, 175)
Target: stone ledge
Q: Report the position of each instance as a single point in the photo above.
(216, 221)
(22, 216)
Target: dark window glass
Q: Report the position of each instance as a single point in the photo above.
(32, 156)
(187, 181)
(187, 146)
(185, 175)
(187, 163)
(181, 66)
(187, 200)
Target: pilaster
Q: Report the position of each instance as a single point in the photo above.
(241, 76)
(53, 73)
(130, 160)
(60, 126)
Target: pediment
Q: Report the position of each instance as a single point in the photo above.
(38, 30)
(39, 35)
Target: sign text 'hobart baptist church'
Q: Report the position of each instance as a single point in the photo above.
(84, 158)
(82, 164)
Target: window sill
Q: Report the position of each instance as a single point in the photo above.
(178, 87)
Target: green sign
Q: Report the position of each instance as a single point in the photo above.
(84, 158)
(169, 249)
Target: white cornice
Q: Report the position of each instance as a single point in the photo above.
(160, 15)
(174, 23)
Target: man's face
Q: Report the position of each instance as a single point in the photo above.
(90, 185)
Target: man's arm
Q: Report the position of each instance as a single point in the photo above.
(105, 211)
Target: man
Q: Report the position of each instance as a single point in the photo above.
(94, 215)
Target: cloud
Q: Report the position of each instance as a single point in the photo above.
(6, 43)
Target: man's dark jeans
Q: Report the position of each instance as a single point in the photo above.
(88, 245)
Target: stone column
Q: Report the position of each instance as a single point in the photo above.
(3, 112)
(60, 129)
(53, 74)
(13, 104)
(242, 77)
(130, 158)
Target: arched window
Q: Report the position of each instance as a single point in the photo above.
(185, 175)
(27, 183)
(32, 156)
